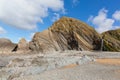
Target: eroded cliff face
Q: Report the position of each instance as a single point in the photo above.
(66, 34)
(111, 40)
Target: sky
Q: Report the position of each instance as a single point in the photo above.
(22, 18)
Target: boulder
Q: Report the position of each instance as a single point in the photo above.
(6, 45)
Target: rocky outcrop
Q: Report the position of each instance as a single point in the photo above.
(43, 41)
(66, 34)
(111, 40)
(23, 45)
(6, 45)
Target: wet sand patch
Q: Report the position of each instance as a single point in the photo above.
(109, 61)
(70, 66)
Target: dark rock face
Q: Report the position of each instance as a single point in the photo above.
(66, 34)
(72, 43)
(6, 45)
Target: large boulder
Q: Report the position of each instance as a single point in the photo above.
(66, 34)
(6, 45)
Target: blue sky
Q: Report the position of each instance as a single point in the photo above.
(22, 18)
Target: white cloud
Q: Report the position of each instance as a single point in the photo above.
(26, 13)
(116, 15)
(55, 17)
(116, 27)
(2, 30)
(102, 22)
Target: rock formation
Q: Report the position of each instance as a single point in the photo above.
(66, 34)
(111, 40)
(23, 45)
(6, 45)
(43, 41)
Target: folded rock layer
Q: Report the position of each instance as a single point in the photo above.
(66, 34)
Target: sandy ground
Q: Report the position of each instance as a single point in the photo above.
(68, 65)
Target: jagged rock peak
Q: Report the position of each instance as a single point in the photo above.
(23, 45)
(22, 40)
